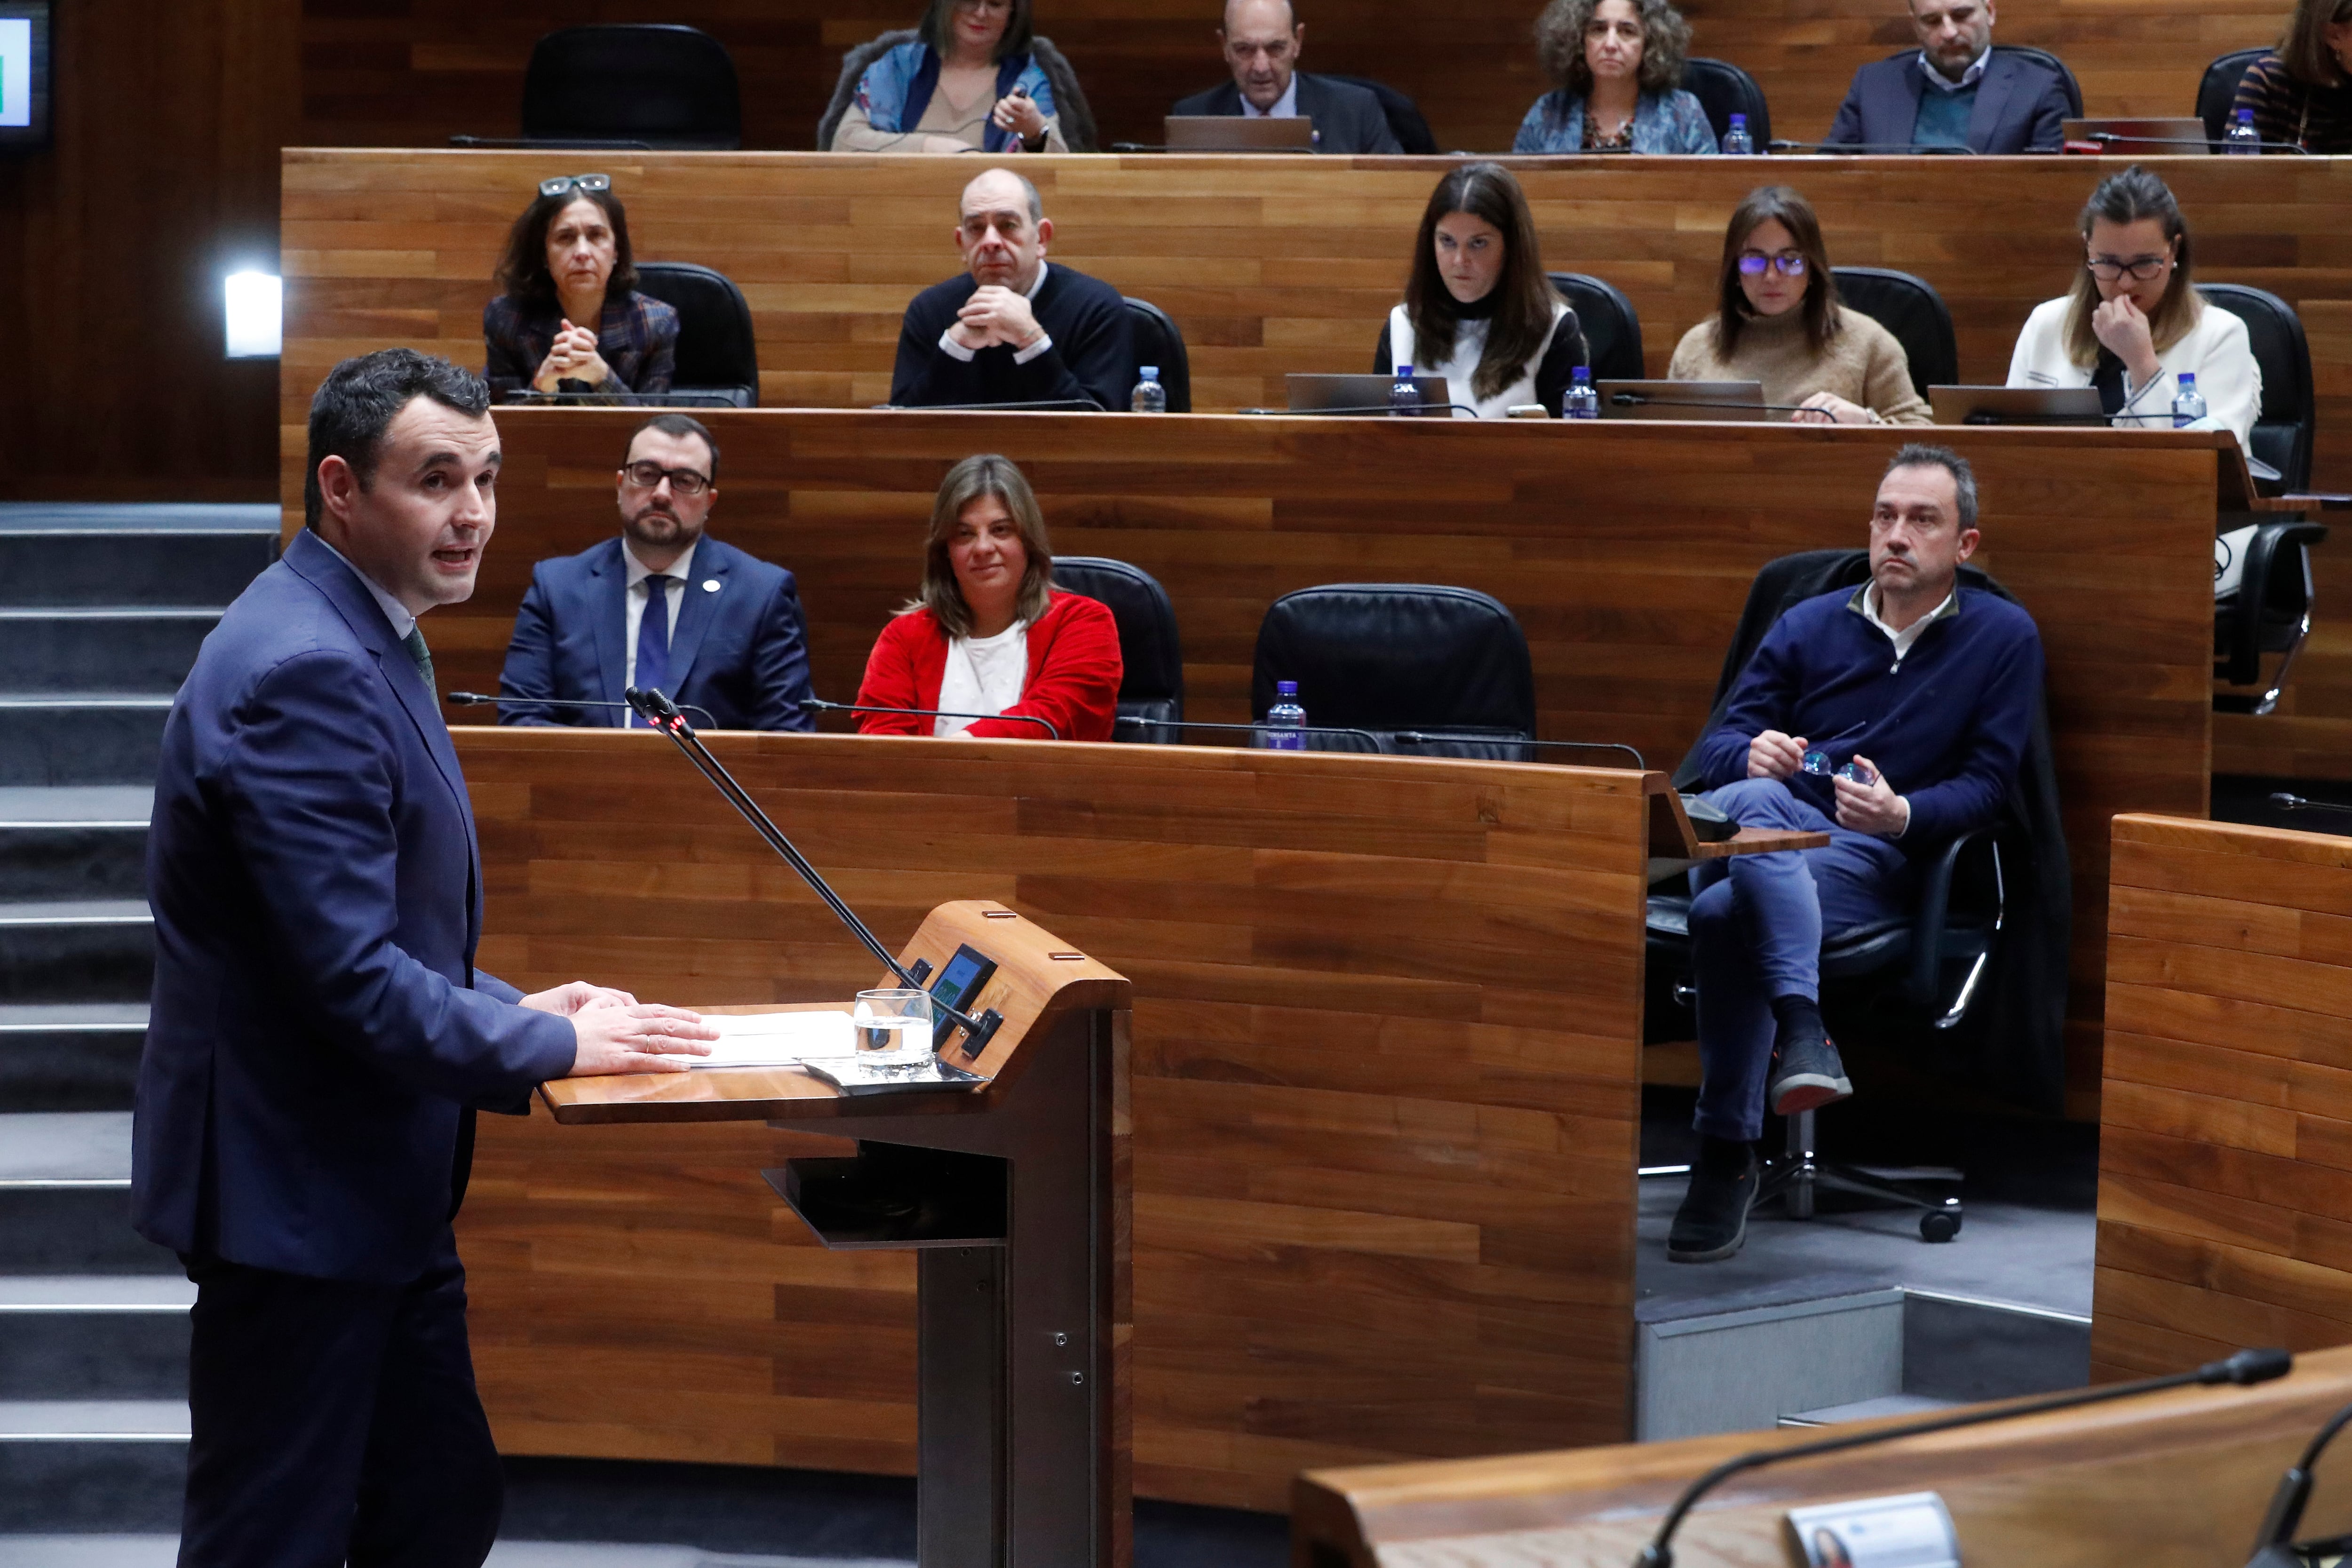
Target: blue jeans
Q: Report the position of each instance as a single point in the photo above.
(1756, 926)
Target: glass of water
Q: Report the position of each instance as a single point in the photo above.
(893, 1030)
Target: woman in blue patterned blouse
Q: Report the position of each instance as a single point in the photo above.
(1618, 63)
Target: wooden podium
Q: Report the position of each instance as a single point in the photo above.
(1015, 1193)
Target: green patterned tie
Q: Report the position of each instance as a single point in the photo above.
(415, 643)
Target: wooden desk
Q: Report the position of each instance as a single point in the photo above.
(1013, 1198)
(1624, 550)
(1372, 1087)
(2171, 1481)
(2225, 1146)
(1268, 265)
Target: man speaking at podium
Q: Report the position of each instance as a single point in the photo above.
(319, 1039)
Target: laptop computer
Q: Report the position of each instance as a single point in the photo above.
(1236, 133)
(1741, 401)
(2165, 138)
(1362, 394)
(2016, 406)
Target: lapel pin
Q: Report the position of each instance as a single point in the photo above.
(710, 584)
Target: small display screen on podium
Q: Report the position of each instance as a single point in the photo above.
(959, 982)
(25, 75)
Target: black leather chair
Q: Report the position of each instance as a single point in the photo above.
(1405, 120)
(716, 354)
(2217, 91)
(1909, 308)
(1158, 341)
(2043, 57)
(2285, 424)
(1723, 89)
(1414, 668)
(661, 84)
(1151, 689)
(1613, 332)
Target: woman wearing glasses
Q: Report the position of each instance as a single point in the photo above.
(568, 317)
(971, 79)
(2133, 324)
(1778, 322)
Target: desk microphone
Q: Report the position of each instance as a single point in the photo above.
(1419, 410)
(2245, 1368)
(822, 707)
(480, 700)
(1643, 400)
(2117, 139)
(1891, 148)
(2275, 1542)
(1042, 405)
(662, 714)
(2286, 801)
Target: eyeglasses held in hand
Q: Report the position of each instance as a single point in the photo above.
(2144, 269)
(1818, 764)
(682, 481)
(563, 182)
(1788, 264)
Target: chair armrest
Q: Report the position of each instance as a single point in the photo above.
(2241, 663)
(1933, 914)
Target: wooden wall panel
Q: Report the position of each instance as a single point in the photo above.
(163, 178)
(411, 74)
(1368, 1093)
(1625, 551)
(1269, 266)
(2225, 1148)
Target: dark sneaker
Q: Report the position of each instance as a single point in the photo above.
(1713, 1221)
(1806, 1075)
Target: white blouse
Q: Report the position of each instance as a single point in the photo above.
(2216, 350)
(1469, 347)
(984, 675)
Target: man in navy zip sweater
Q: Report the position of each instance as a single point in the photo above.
(1915, 698)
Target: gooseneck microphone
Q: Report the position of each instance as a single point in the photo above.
(660, 713)
(822, 706)
(478, 699)
(2286, 801)
(1643, 400)
(2117, 139)
(2243, 1369)
(2275, 1542)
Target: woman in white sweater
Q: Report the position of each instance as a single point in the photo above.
(1478, 309)
(2134, 324)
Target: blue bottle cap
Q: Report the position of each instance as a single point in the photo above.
(1151, 373)
(1582, 372)
(2188, 378)
(1740, 121)
(1403, 371)
(1285, 688)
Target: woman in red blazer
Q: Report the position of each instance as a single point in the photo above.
(988, 632)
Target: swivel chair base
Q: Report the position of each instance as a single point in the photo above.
(1797, 1175)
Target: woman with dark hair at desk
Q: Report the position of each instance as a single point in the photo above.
(988, 632)
(973, 79)
(2133, 324)
(568, 317)
(2300, 92)
(1778, 322)
(1478, 309)
(1619, 64)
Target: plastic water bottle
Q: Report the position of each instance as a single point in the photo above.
(1581, 401)
(1736, 140)
(1404, 398)
(2242, 137)
(1150, 397)
(2188, 403)
(1285, 722)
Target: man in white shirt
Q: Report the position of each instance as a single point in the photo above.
(1013, 330)
(663, 607)
(1261, 41)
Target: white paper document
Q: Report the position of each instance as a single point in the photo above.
(776, 1040)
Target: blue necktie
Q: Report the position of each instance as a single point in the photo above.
(653, 639)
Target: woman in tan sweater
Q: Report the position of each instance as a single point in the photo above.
(1778, 322)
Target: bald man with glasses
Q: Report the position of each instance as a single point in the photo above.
(1261, 41)
(663, 606)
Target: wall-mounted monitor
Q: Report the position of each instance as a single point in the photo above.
(25, 74)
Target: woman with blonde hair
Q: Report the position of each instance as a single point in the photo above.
(2133, 324)
(988, 632)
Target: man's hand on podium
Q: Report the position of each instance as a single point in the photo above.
(617, 1033)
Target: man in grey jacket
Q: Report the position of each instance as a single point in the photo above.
(1261, 40)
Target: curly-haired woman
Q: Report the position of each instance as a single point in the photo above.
(1619, 64)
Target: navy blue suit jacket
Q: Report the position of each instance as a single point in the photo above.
(1347, 118)
(2021, 105)
(318, 1031)
(739, 651)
